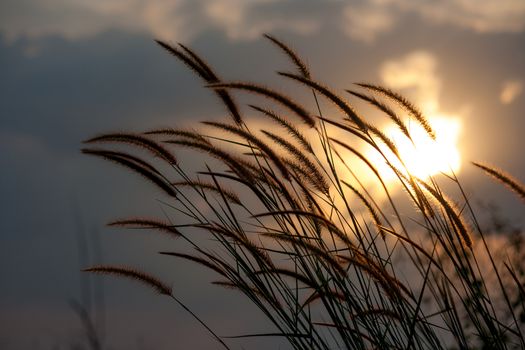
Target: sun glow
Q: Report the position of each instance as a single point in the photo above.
(423, 156)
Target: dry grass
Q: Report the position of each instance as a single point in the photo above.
(331, 263)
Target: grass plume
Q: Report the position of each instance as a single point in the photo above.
(129, 273)
(283, 213)
(505, 179)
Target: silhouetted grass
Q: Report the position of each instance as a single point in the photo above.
(324, 251)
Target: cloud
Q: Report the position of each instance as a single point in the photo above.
(239, 20)
(510, 90)
(74, 19)
(478, 15)
(366, 20)
(245, 19)
(416, 74)
(364, 23)
(178, 20)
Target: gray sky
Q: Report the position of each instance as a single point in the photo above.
(70, 69)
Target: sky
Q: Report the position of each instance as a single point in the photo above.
(71, 69)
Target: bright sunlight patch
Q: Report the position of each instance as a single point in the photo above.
(422, 156)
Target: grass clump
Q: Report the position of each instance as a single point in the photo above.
(332, 260)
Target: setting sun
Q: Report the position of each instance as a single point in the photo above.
(424, 157)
